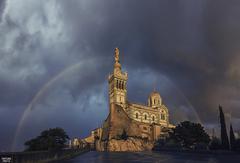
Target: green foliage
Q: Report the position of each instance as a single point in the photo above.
(189, 134)
(160, 143)
(215, 144)
(124, 135)
(237, 144)
(224, 136)
(51, 139)
(201, 146)
(166, 144)
(232, 139)
(170, 143)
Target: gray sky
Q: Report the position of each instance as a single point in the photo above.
(188, 49)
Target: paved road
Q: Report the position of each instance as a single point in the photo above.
(147, 157)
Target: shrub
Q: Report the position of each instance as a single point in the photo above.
(215, 144)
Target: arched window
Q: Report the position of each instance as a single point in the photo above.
(120, 84)
(137, 115)
(145, 117)
(153, 118)
(163, 116)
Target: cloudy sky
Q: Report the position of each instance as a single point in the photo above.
(55, 56)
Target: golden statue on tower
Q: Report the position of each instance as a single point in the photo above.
(116, 55)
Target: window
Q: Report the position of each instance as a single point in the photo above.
(153, 118)
(163, 116)
(145, 117)
(120, 85)
(137, 115)
(117, 83)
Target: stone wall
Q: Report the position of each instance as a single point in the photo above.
(119, 121)
(105, 129)
(139, 135)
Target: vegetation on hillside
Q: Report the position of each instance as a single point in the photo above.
(51, 139)
(224, 136)
(189, 135)
(233, 144)
(186, 135)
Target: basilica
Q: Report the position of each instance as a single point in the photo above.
(149, 121)
(155, 112)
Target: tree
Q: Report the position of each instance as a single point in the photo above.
(224, 136)
(189, 134)
(124, 135)
(215, 144)
(51, 139)
(232, 139)
(237, 145)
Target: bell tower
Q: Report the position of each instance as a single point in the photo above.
(117, 82)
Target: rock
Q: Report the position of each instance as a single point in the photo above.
(115, 125)
(129, 145)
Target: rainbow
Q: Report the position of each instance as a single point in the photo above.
(60, 75)
(40, 93)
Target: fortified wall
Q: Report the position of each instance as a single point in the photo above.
(117, 127)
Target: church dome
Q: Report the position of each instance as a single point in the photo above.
(155, 93)
(154, 99)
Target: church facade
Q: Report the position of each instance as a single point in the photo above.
(154, 112)
(153, 115)
(149, 121)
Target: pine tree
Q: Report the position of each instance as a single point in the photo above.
(224, 136)
(232, 138)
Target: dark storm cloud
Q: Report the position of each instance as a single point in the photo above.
(193, 44)
(2, 7)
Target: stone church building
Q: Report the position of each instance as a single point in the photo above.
(149, 122)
